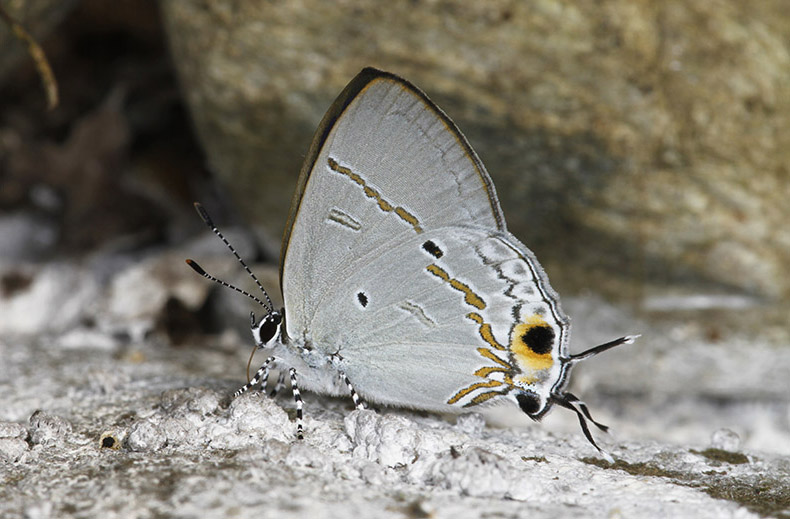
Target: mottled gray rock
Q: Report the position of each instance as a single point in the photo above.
(45, 298)
(12, 441)
(48, 429)
(639, 149)
(387, 463)
(105, 298)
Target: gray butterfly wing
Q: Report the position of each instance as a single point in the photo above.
(385, 164)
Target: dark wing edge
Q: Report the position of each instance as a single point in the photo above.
(365, 77)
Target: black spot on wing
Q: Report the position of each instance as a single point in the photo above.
(363, 299)
(432, 249)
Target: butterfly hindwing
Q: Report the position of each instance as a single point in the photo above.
(448, 329)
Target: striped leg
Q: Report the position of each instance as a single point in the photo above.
(264, 381)
(298, 399)
(279, 386)
(358, 402)
(261, 375)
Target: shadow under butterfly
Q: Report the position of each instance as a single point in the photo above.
(401, 284)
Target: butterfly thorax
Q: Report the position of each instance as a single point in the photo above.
(319, 370)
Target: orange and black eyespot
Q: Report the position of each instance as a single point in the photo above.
(539, 339)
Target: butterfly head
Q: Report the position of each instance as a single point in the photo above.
(267, 329)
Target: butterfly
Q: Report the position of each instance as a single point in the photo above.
(401, 284)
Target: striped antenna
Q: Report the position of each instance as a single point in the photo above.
(207, 219)
(197, 268)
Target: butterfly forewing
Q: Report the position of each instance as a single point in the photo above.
(386, 164)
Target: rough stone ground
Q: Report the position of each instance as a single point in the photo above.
(110, 408)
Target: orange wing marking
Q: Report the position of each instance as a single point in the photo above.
(482, 397)
(470, 297)
(371, 193)
(485, 331)
(474, 387)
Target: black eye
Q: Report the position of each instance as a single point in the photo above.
(528, 402)
(268, 328)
